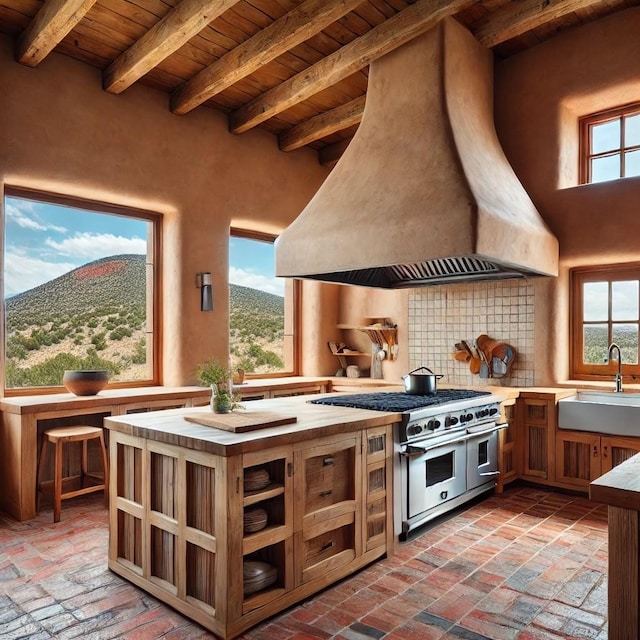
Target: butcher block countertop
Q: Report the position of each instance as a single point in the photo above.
(619, 487)
(313, 421)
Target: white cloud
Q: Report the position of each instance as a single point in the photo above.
(92, 246)
(256, 281)
(23, 214)
(22, 272)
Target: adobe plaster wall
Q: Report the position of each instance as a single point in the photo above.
(61, 133)
(540, 94)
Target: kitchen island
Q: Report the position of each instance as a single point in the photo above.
(300, 505)
(620, 490)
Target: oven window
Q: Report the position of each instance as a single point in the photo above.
(440, 469)
(483, 452)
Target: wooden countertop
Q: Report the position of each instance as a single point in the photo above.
(314, 421)
(619, 487)
(106, 397)
(272, 384)
(545, 392)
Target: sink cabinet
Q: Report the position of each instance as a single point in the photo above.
(177, 526)
(581, 457)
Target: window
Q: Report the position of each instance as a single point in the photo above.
(605, 309)
(79, 291)
(262, 308)
(610, 144)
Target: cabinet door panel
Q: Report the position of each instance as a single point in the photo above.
(616, 450)
(326, 547)
(327, 480)
(577, 458)
(536, 452)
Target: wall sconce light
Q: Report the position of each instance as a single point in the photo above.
(203, 282)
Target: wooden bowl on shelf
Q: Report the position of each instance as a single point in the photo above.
(256, 479)
(255, 519)
(257, 575)
(85, 382)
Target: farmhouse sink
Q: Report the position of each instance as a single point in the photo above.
(602, 412)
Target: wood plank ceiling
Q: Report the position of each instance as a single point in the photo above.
(297, 68)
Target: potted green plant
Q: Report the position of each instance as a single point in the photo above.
(218, 377)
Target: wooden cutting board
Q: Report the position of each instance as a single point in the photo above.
(241, 421)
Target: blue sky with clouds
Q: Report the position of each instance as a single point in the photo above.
(44, 241)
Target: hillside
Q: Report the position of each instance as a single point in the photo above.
(256, 327)
(95, 317)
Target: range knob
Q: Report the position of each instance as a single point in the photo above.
(414, 429)
(433, 424)
(493, 411)
(469, 416)
(450, 421)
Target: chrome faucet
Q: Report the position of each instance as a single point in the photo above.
(614, 347)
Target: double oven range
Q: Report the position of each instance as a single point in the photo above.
(445, 449)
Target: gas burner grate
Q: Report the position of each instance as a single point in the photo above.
(399, 401)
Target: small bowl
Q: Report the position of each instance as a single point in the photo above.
(85, 383)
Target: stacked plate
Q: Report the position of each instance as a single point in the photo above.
(258, 575)
(256, 479)
(255, 519)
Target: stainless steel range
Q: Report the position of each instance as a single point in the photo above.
(445, 449)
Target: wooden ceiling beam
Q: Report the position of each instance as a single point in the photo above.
(300, 24)
(322, 125)
(54, 20)
(181, 24)
(405, 25)
(504, 24)
(517, 18)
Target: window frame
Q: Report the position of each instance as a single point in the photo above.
(578, 277)
(293, 302)
(585, 125)
(154, 306)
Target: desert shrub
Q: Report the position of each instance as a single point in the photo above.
(140, 352)
(99, 341)
(120, 332)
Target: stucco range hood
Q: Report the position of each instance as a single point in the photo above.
(424, 193)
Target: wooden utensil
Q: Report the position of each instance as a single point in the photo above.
(474, 365)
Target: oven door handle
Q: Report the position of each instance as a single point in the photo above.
(413, 450)
(486, 428)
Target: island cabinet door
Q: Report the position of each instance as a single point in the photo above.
(327, 510)
(169, 511)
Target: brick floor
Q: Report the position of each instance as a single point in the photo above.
(530, 564)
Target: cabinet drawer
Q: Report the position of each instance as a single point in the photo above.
(329, 479)
(327, 547)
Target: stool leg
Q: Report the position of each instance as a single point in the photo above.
(57, 483)
(84, 465)
(105, 468)
(43, 450)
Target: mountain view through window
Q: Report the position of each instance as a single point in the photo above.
(76, 292)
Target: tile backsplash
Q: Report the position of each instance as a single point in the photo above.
(441, 316)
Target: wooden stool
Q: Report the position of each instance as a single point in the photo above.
(58, 437)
